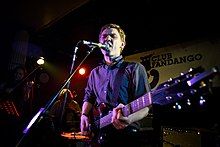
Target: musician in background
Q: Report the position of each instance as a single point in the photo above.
(112, 85)
(66, 114)
(16, 94)
(19, 91)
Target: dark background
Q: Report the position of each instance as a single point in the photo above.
(55, 27)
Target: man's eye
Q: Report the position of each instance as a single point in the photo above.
(111, 35)
(104, 36)
(114, 36)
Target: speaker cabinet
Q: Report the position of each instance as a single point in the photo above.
(181, 137)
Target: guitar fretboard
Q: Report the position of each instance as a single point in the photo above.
(137, 104)
(130, 108)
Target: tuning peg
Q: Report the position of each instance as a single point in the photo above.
(177, 106)
(193, 91)
(168, 98)
(177, 80)
(188, 102)
(191, 69)
(180, 94)
(201, 100)
(189, 75)
(170, 79)
(166, 85)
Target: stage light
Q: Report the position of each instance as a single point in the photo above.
(40, 61)
(82, 71)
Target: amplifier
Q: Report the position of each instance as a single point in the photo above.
(181, 137)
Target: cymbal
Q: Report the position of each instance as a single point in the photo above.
(74, 135)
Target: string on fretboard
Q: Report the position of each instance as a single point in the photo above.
(138, 104)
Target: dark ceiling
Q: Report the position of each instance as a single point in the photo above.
(56, 26)
(149, 24)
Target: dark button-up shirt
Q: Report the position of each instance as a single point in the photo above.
(103, 81)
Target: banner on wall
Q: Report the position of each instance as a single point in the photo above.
(169, 62)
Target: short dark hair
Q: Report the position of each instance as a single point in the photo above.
(119, 29)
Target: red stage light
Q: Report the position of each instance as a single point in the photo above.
(82, 71)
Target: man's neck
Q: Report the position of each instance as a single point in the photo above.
(110, 61)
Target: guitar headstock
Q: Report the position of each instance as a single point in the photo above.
(194, 82)
(182, 77)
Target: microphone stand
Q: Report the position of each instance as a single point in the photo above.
(68, 83)
(40, 114)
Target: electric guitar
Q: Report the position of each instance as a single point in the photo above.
(169, 92)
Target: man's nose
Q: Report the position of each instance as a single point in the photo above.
(108, 38)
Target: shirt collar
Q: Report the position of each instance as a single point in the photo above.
(116, 62)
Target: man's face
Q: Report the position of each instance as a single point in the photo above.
(111, 38)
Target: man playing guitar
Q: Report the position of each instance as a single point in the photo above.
(112, 85)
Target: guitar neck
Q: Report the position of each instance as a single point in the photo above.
(166, 93)
(128, 109)
(137, 104)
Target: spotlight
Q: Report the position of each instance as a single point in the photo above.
(40, 61)
(82, 71)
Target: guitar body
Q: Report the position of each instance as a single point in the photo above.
(104, 134)
(101, 135)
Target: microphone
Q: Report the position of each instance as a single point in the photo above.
(100, 45)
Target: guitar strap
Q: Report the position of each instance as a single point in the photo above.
(117, 82)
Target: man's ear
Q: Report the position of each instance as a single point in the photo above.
(123, 45)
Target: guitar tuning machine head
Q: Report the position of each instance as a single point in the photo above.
(201, 100)
(193, 91)
(166, 85)
(189, 75)
(188, 102)
(177, 106)
(177, 80)
(168, 98)
(191, 69)
(180, 94)
(170, 80)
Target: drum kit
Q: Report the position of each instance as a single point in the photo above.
(74, 137)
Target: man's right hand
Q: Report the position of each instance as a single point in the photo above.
(84, 125)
